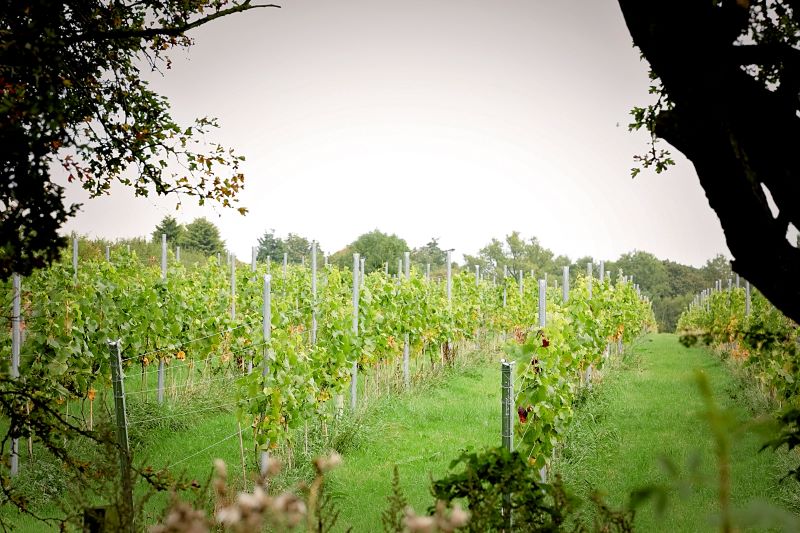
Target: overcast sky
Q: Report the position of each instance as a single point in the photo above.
(462, 120)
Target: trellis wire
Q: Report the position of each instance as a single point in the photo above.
(236, 434)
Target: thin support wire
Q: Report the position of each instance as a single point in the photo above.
(143, 421)
(229, 437)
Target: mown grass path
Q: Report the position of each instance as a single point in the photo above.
(646, 408)
(421, 432)
(650, 407)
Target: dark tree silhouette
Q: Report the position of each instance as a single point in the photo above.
(727, 73)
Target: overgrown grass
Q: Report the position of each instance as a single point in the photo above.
(644, 408)
(189, 431)
(643, 427)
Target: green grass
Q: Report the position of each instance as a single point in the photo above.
(421, 432)
(645, 408)
(650, 408)
(188, 433)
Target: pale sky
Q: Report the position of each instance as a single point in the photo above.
(462, 120)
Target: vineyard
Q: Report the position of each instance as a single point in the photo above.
(291, 342)
(757, 337)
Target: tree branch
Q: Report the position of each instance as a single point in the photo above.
(765, 54)
(737, 133)
(174, 31)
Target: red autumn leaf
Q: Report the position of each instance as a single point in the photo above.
(523, 414)
(545, 342)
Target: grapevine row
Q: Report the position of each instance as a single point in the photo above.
(186, 317)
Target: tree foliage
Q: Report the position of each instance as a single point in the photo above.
(173, 230)
(296, 247)
(516, 254)
(726, 75)
(203, 236)
(430, 254)
(269, 246)
(72, 98)
(376, 247)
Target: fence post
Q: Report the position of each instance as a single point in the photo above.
(507, 426)
(354, 371)
(505, 275)
(16, 342)
(75, 258)
(313, 292)
(266, 330)
(108, 253)
(160, 386)
(126, 496)
(253, 258)
(602, 271)
(747, 302)
(589, 268)
(542, 303)
(406, 349)
(477, 275)
(233, 288)
(178, 254)
(507, 373)
(521, 287)
(449, 278)
(163, 256)
(565, 286)
(362, 271)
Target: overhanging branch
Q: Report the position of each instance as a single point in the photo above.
(172, 31)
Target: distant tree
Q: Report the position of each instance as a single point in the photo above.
(579, 267)
(519, 255)
(684, 279)
(647, 270)
(203, 236)
(376, 247)
(270, 246)
(669, 308)
(173, 230)
(430, 254)
(298, 248)
(491, 258)
(717, 268)
(342, 258)
(557, 268)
